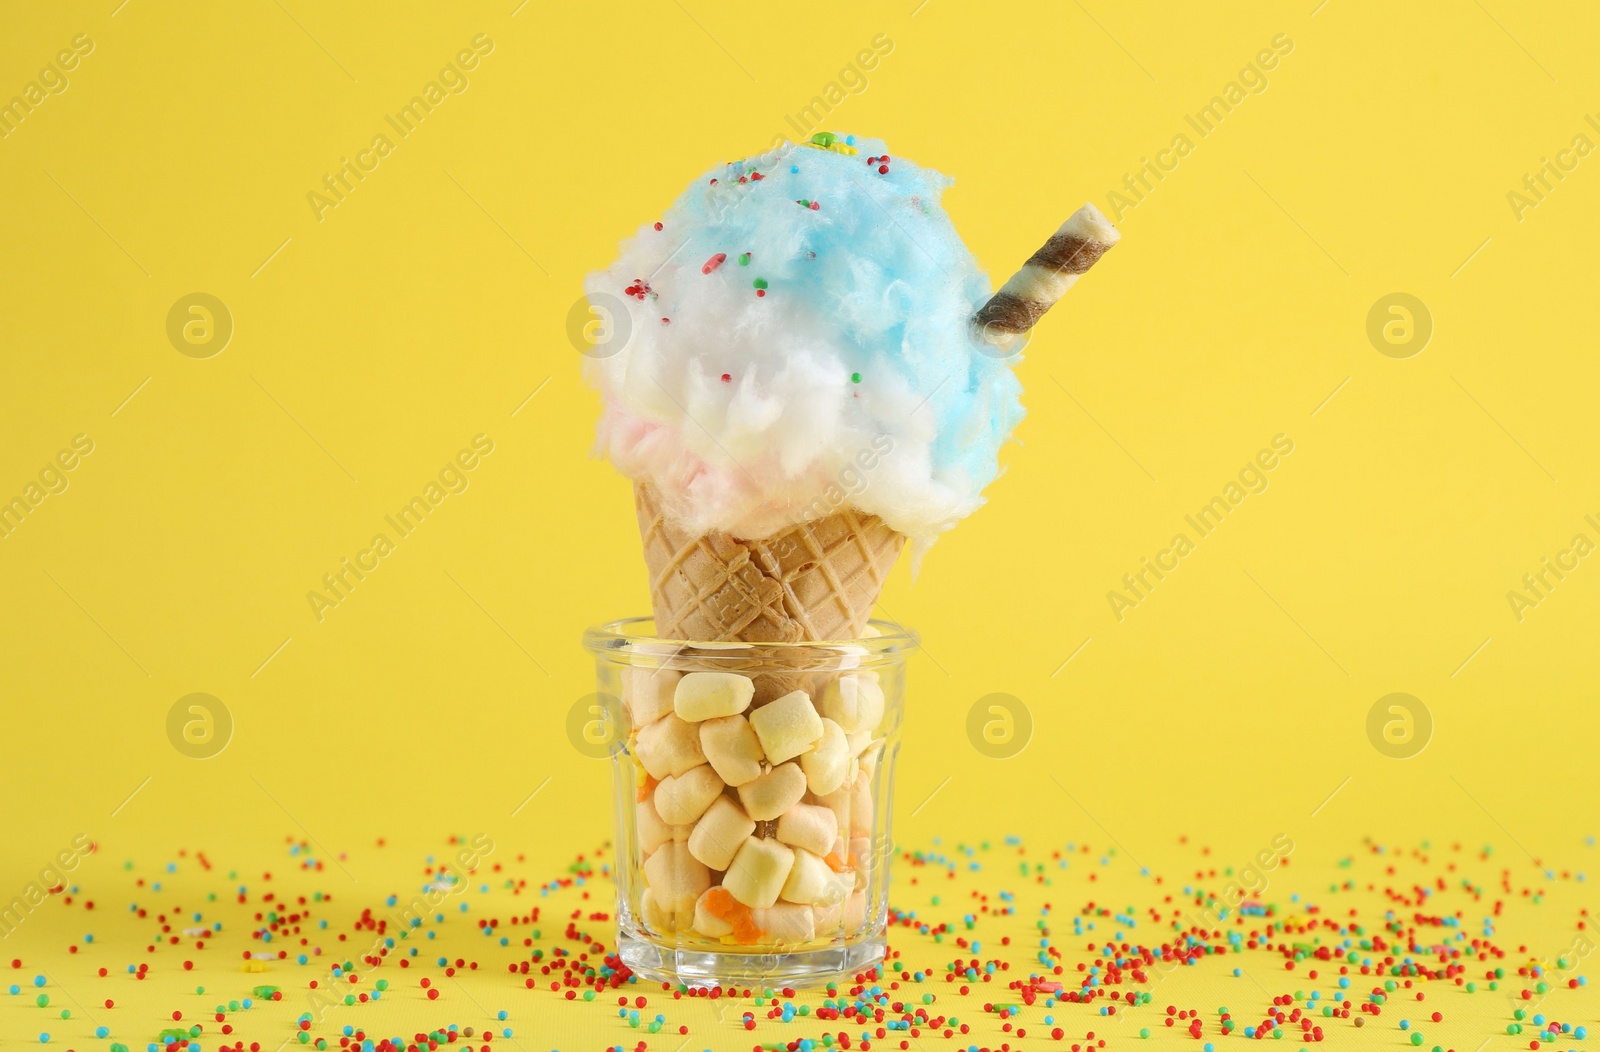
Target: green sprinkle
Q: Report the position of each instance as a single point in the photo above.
(824, 138)
(760, 283)
(855, 378)
(744, 259)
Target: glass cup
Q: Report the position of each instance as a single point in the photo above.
(753, 802)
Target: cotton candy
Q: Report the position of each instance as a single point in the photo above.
(854, 380)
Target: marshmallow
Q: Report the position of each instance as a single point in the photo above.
(862, 858)
(861, 805)
(812, 881)
(719, 833)
(854, 702)
(707, 695)
(854, 914)
(787, 727)
(785, 923)
(858, 742)
(647, 693)
(828, 764)
(826, 919)
(732, 748)
(758, 871)
(810, 826)
(676, 879)
(669, 746)
(653, 832)
(682, 799)
(838, 802)
(772, 794)
(706, 920)
(655, 918)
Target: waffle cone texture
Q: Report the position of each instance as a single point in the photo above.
(814, 581)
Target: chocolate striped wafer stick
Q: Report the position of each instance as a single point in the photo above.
(1045, 278)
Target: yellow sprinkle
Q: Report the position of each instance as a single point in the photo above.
(844, 148)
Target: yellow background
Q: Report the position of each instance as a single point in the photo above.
(426, 308)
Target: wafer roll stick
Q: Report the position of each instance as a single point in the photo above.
(1049, 273)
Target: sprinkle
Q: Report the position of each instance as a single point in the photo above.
(714, 262)
(760, 283)
(744, 259)
(883, 169)
(855, 378)
(658, 226)
(727, 378)
(794, 169)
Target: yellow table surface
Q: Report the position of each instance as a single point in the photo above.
(1422, 927)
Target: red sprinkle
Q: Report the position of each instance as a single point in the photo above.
(714, 262)
(883, 169)
(727, 378)
(658, 226)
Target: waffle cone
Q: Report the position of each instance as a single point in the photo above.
(814, 581)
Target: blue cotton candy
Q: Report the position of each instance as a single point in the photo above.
(872, 283)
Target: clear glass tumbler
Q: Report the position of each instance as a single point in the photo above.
(753, 802)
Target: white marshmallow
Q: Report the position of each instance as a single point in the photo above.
(707, 695)
(810, 826)
(854, 915)
(838, 802)
(669, 746)
(785, 924)
(682, 799)
(772, 794)
(656, 918)
(854, 702)
(812, 881)
(827, 765)
(863, 859)
(756, 875)
(787, 727)
(706, 922)
(676, 879)
(858, 742)
(653, 832)
(826, 918)
(647, 693)
(861, 805)
(732, 748)
(720, 833)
